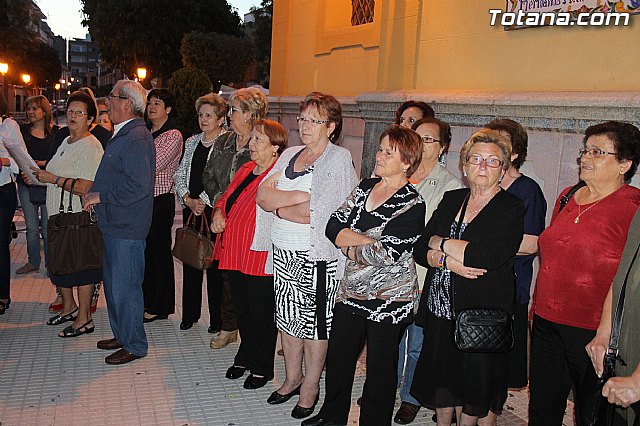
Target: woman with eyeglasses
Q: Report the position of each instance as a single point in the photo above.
(579, 254)
(229, 153)
(469, 267)
(189, 188)
(432, 180)
(78, 157)
(306, 185)
(158, 285)
(38, 135)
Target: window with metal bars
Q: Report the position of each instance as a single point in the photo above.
(361, 12)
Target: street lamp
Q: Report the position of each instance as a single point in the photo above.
(4, 69)
(142, 73)
(26, 78)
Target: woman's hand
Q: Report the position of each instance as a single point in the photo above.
(42, 176)
(219, 222)
(434, 242)
(622, 391)
(195, 204)
(596, 350)
(464, 271)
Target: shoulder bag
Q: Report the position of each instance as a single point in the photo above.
(480, 330)
(604, 412)
(194, 247)
(75, 242)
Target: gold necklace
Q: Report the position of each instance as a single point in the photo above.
(580, 212)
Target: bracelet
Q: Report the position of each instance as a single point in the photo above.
(441, 261)
(276, 213)
(56, 182)
(442, 241)
(444, 263)
(348, 249)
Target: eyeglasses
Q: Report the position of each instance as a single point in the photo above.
(73, 113)
(112, 96)
(429, 139)
(595, 152)
(303, 119)
(233, 109)
(476, 160)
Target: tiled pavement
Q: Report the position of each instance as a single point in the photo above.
(46, 380)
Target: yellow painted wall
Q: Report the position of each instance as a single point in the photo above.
(433, 45)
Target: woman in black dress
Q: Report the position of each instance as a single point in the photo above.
(480, 266)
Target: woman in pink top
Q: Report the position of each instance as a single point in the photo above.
(579, 255)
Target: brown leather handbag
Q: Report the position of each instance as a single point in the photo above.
(194, 247)
(75, 242)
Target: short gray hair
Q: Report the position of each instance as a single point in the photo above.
(135, 93)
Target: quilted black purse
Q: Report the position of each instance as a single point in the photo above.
(485, 330)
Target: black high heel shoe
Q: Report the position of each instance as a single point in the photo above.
(276, 398)
(4, 306)
(299, 412)
(235, 372)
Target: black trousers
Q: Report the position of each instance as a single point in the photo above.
(518, 369)
(349, 332)
(559, 362)
(254, 304)
(8, 202)
(159, 285)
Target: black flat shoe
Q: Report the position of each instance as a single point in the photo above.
(152, 319)
(253, 382)
(4, 306)
(235, 372)
(299, 412)
(59, 319)
(276, 398)
(75, 332)
(213, 329)
(184, 325)
(319, 421)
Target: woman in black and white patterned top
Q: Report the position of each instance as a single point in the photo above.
(375, 228)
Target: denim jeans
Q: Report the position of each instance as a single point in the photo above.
(35, 225)
(123, 269)
(411, 344)
(8, 203)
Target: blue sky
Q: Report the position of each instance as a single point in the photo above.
(64, 16)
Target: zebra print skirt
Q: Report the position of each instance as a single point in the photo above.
(305, 294)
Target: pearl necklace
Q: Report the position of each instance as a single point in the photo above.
(580, 212)
(206, 143)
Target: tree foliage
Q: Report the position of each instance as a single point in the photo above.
(223, 57)
(188, 84)
(148, 32)
(20, 44)
(261, 36)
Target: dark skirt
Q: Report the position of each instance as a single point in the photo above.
(77, 279)
(448, 377)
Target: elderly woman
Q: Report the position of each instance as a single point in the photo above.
(375, 228)
(624, 389)
(477, 260)
(411, 111)
(305, 186)
(579, 254)
(158, 285)
(188, 187)
(77, 158)
(251, 288)
(8, 201)
(432, 180)
(38, 135)
(103, 114)
(246, 106)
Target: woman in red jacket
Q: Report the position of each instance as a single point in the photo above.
(234, 218)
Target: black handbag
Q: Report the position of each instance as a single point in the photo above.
(74, 240)
(480, 330)
(605, 411)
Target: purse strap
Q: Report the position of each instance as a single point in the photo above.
(70, 205)
(564, 200)
(456, 235)
(61, 207)
(616, 322)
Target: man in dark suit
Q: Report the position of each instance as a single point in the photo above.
(122, 195)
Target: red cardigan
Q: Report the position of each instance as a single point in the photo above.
(578, 260)
(232, 247)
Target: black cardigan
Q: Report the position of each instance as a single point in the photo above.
(494, 237)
